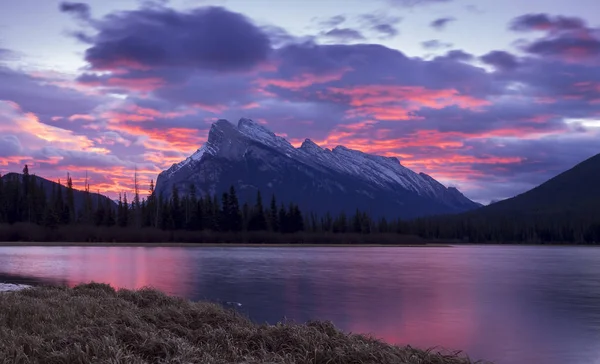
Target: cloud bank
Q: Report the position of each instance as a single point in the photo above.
(493, 125)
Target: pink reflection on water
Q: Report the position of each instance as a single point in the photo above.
(167, 269)
(446, 313)
(163, 268)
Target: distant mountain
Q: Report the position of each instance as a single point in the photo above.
(250, 157)
(47, 185)
(576, 191)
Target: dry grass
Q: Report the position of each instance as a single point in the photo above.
(93, 323)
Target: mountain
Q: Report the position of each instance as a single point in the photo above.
(47, 185)
(564, 209)
(251, 157)
(573, 192)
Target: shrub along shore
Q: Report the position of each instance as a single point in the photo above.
(93, 323)
(25, 232)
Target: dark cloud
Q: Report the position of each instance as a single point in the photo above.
(501, 60)
(568, 38)
(278, 35)
(211, 90)
(570, 47)
(441, 23)
(204, 38)
(435, 44)
(383, 25)
(458, 55)
(412, 3)
(386, 30)
(344, 34)
(544, 22)
(572, 91)
(41, 97)
(79, 10)
(447, 115)
(333, 22)
(312, 58)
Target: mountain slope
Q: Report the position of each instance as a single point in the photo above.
(47, 185)
(251, 157)
(564, 209)
(575, 191)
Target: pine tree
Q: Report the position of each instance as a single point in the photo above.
(109, 217)
(200, 214)
(2, 202)
(125, 220)
(70, 200)
(383, 226)
(176, 217)
(39, 202)
(283, 220)
(356, 222)
(195, 215)
(258, 221)
(151, 207)
(235, 215)
(88, 205)
(246, 216)
(313, 222)
(28, 198)
(274, 215)
(51, 219)
(61, 208)
(100, 213)
(224, 223)
(136, 204)
(120, 210)
(211, 213)
(340, 225)
(294, 220)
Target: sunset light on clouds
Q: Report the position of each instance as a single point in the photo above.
(491, 98)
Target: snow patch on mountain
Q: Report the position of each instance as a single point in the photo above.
(230, 141)
(261, 134)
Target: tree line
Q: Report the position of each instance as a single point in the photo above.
(23, 198)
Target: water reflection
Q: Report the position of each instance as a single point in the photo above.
(170, 270)
(510, 305)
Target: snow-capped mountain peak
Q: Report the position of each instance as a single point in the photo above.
(310, 145)
(260, 154)
(261, 134)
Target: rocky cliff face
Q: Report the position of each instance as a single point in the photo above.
(251, 157)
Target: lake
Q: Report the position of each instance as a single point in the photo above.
(511, 305)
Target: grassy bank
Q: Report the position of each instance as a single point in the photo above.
(23, 232)
(94, 323)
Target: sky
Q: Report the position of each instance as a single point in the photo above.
(491, 97)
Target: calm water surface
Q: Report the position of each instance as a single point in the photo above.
(511, 305)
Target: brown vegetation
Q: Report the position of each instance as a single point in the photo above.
(23, 232)
(93, 323)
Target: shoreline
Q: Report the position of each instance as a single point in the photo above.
(67, 244)
(218, 245)
(102, 324)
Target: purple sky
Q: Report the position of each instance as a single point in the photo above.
(491, 97)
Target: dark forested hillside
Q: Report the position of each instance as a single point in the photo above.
(576, 191)
(566, 209)
(28, 198)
